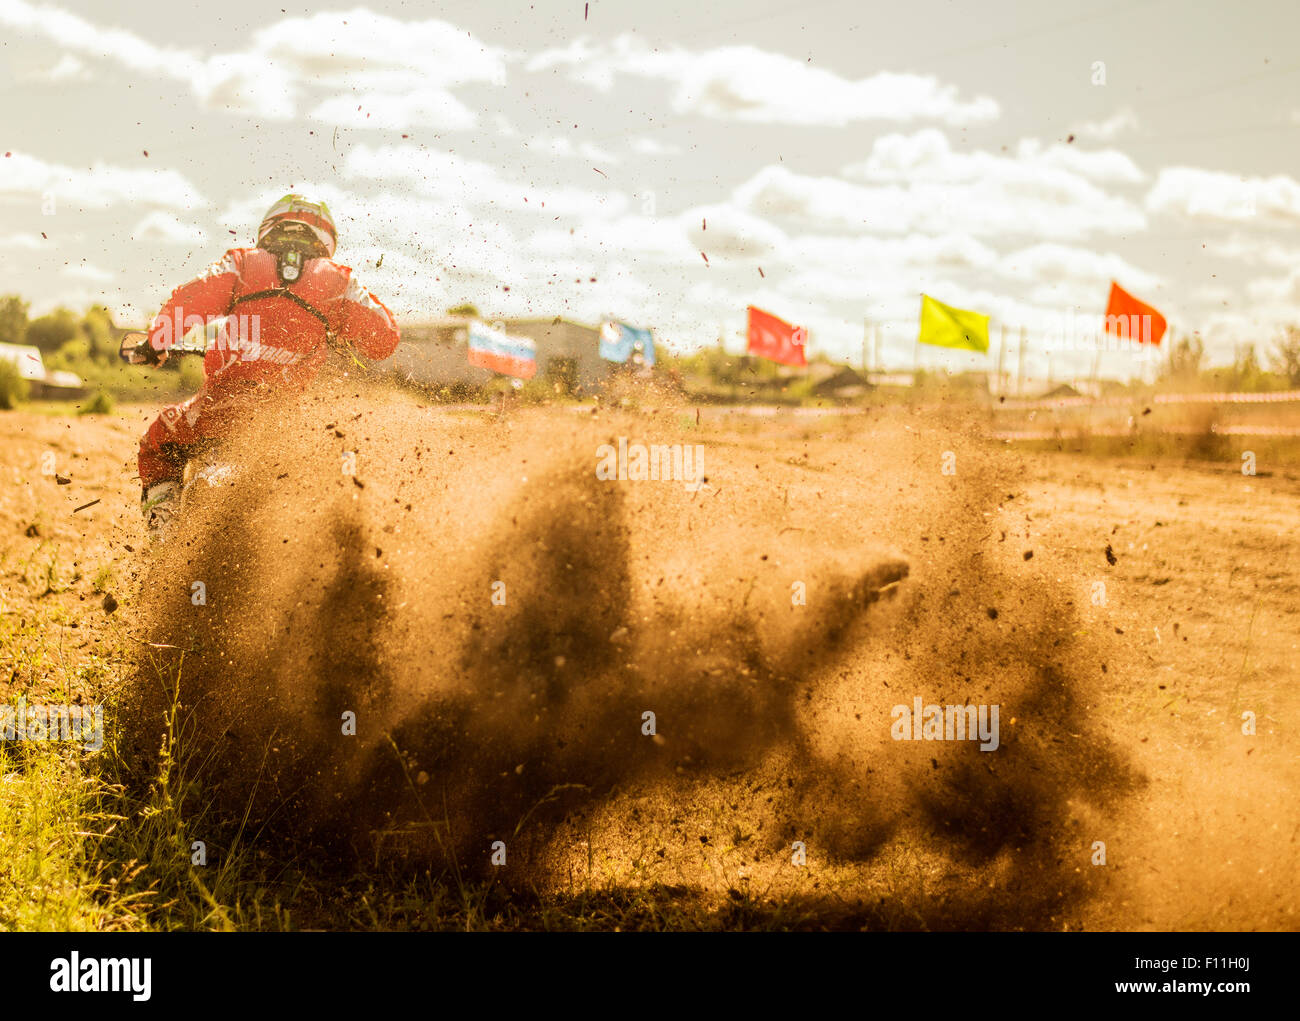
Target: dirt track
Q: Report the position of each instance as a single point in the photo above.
(1119, 722)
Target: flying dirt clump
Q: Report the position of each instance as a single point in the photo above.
(498, 621)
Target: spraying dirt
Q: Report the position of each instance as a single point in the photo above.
(640, 681)
(501, 619)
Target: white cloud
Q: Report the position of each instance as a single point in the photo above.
(1055, 264)
(359, 49)
(400, 73)
(75, 33)
(730, 232)
(68, 69)
(564, 148)
(780, 192)
(1108, 166)
(448, 178)
(158, 227)
(1229, 198)
(1050, 204)
(639, 239)
(868, 257)
(431, 108)
(244, 83)
(584, 62)
(441, 175)
(234, 82)
(1254, 251)
(86, 271)
(1225, 333)
(399, 67)
(1109, 129)
(27, 241)
(100, 187)
(1276, 289)
(748, 84)
(649, 147)
(928, 156)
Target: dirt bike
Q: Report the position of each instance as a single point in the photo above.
(205, 468)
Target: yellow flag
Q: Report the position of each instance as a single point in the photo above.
(945, 326)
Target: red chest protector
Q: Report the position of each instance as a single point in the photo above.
(314, 285)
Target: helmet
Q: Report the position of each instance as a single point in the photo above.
(295, 209)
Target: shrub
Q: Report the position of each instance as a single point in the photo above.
(100, 404)
(191, 372)
(13, 387)
(72, 356)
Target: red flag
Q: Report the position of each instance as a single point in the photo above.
(770, 337)
(1133, 319)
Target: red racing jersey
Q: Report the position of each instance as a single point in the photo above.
(275, 332)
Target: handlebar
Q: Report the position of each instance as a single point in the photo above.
(136, 349)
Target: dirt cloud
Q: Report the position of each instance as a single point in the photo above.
(500, 621)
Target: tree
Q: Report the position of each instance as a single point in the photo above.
(1185, 358)
(13, 319)
(50, 332)
(1246, 371)
(100, 332)
(464, 310)
(1286, 356)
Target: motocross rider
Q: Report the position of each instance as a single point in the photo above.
(285, 302)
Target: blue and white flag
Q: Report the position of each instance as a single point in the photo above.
(619, 342)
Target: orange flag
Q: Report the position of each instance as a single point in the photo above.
(1135, 320)
(770, 337)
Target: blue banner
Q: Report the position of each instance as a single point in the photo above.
(619, 342)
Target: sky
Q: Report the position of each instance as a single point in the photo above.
(669, 163)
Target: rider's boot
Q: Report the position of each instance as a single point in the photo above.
(160, 505)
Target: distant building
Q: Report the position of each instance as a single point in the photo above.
(436, 353)
(27, 359)
(566, 351)
(44, 382)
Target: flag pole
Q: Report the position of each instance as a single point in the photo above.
(1020, 366)
(1002, 354)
